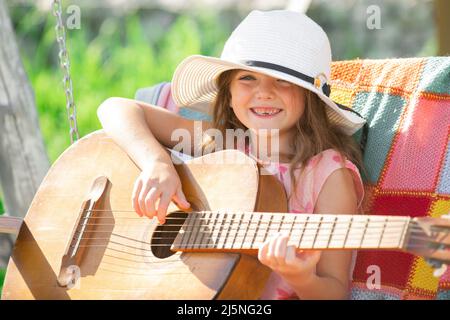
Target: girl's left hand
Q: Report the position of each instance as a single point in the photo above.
(289, 263)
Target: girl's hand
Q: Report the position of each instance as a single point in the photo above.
(159, 180)
(290, 264)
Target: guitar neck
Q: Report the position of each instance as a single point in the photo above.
(205, 231)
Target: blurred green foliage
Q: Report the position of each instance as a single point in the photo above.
(113, 59)
(2, 277)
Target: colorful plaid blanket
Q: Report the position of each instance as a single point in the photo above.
(407, 158)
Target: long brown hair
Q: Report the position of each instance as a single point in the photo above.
(314, 133)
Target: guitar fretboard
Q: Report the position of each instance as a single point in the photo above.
(242, 231)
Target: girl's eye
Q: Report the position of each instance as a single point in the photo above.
(246, 78)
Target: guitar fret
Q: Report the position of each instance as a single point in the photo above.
(317, 232)
(185, 229)
(248, 217)
(291, 236)
(231, 232)
(194, 243)
(222, 217)
(263, 230)
(356, 235)
(246, 231)
(202, 218)
(238, 231)
(382, 231)
(216, 231)
(300, 244)
(229, 225)
(225, 239)
(348, 232)
(364, 232)
(211, 232)
(269, 225)
(196, 218)
(281, 222)
(277, 221)
(256, 231)
(405, 224)
(332, 230)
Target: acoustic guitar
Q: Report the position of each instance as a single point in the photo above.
(81, 239)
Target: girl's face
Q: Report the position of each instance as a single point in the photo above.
(264, 102)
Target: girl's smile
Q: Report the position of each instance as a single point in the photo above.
(265, 112)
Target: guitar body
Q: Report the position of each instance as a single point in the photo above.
(119, 262)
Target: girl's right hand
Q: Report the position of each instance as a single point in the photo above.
(159, 180)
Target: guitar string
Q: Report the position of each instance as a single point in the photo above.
(225, 226)
(275, 214)
(291, 217)
(375, 218)
(275, 224)
(300, 242)
(202, 246)
(304, 231)
(227, 230)
(391, 219)
(292, 238)
(366, 236)
(412, 234)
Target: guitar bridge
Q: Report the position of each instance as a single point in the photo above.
(71, 260)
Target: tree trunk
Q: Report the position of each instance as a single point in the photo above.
(442, 12)
(23, 158)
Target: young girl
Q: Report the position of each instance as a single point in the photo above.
(273, 76)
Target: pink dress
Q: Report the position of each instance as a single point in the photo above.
(318, 169)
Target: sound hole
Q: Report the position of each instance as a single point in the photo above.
(164, 235)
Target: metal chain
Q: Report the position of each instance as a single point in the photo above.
(65, 65)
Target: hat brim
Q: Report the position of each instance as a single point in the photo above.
(194, 87)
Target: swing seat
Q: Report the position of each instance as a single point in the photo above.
(407, 158)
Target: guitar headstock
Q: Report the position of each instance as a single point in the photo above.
(430, 238)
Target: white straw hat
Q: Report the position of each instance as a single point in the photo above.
(283, 44)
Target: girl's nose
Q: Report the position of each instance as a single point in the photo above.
(265, 89)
